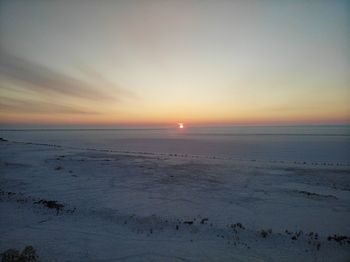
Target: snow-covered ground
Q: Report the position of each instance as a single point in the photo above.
(114, 206)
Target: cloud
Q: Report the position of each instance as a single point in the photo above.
(96, 77)
(44, 80)
(38, 107)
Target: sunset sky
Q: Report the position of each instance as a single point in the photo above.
(162, 62)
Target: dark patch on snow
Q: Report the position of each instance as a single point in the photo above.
(28, 255)
(51, 204)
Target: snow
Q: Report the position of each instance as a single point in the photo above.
(127, 206)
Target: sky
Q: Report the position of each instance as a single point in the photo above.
(148, 62)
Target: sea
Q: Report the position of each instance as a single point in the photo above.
(321, 144)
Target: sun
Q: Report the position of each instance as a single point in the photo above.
(181, 125)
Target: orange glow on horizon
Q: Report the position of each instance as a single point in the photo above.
(103, 120)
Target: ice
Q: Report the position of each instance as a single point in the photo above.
(148, 206)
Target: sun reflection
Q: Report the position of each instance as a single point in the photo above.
(181, 125)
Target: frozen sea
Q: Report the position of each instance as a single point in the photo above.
(197, 194)
(329, 144)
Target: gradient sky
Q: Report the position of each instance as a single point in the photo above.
(161, 61)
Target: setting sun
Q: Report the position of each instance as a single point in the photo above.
(181, 125)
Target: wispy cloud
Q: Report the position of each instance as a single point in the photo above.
(38, 107)
(44, 90)
(39, 78)
(96, 77)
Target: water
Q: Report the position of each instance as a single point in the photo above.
(293, 143)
